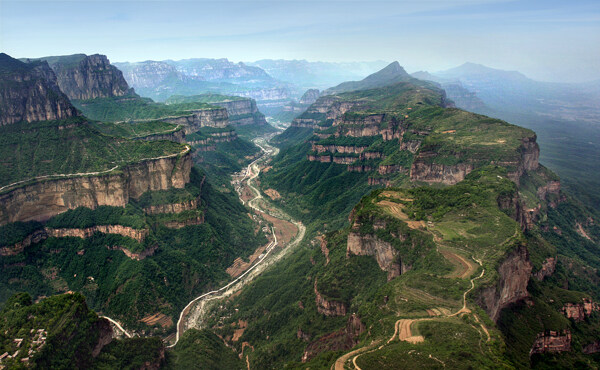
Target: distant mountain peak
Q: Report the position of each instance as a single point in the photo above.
(389, 75)
(392, 70)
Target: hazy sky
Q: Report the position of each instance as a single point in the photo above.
(552, 40)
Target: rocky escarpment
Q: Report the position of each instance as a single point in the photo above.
(328, 308)
(40, 235)
(238, 106)
(85, 77)
(137, 234)
(242, 112)
(33, 238)
(513, 276)
(173, 207)
(44, 199)
(434, 172)
(105, 335)
(195, 119)
(547, 269)
(551, 341)
(208, 144)
(385, 254)
(177, 136)
(579, 311)
(340, 340)
(29, 92)
(425, 168)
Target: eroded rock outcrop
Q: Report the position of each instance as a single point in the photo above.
(328, 308)
(44, 199)
(340, 340)
(385, 254)
(137, 234)
(547, 269)
(435, 172)
(579, 311)
(33, 238)
(551, 341)
(84, 77)
(29, 92)
(513, 277)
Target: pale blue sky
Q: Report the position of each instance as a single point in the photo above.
(546, 39)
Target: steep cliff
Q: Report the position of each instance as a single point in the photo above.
(328, 307)
(44, 199)
(385, 254)
(85, 77)
(241, 111)
(514, 273)
(29, 92)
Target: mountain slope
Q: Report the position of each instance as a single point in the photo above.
(467, 244)
(389, 75)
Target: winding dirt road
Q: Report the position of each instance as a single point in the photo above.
(193, 314)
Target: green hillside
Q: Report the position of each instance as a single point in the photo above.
(29, 150)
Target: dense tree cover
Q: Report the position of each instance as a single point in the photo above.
(203, 349)
(186, 262)
(28, 150)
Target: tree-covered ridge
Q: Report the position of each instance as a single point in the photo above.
(203, 98)
(134, 108)
(29, 150)
(145, 129)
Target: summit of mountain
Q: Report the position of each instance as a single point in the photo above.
(391, 74)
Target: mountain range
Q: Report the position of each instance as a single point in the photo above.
(386, 227)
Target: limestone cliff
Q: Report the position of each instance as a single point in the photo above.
(513, 276)
(328, 308)
(385, 254)
(551, 341)
(84, 77)
(195, 119)
(44, 199)
(29, 92)
(137, 234)
(242, 112)
(343, 339)
(580, 310)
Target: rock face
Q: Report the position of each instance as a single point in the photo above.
(243, 112)
(173, 208)
(45, 199)
(29, 92)
(424, 169)
(385, 254)
(105, 335)
(177, 136)
(514, 273)
(343, 339)
(33, 238)
(138, 234)
(547, 269)
(328, 308)
(88, 77)
(433, 172)
(551, 341)
(196, 119)
(593, 347)
(579, 311)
